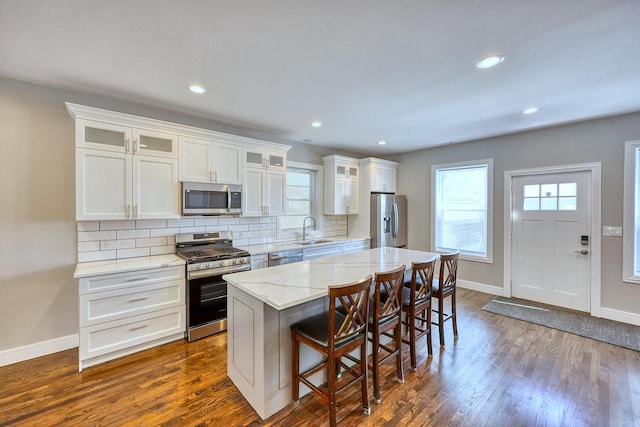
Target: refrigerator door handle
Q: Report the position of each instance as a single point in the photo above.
(394, 233)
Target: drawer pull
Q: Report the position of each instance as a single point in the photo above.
(135, 328)
(138, 299)
(139, 279)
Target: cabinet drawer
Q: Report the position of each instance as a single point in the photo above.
(355, 246)
(117, 335)
(109, 282)
(100, 307)
(322, 251)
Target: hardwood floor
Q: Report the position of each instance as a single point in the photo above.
(500, 372)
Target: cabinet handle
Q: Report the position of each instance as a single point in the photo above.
(215, 176)
(139, 279)
(135, 211)
(126, 145)
(135, 146)
(138, 299)
(128, 213)
(135, 328)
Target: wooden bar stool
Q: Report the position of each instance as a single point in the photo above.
(335, 335)
(445, 286)
(386, 317)
(416, 305)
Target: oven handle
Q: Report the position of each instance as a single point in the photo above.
(207, 273)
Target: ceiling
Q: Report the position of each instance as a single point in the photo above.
(368, 70)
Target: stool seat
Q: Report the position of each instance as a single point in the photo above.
(316, 328)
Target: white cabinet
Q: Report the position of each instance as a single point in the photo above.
(381, 174)
(355, 246)
(340, 185)
(259, 261)
(264, 183)
(125, 173)
(204, 160)
(122, 313)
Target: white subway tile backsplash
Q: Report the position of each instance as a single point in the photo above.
(106, 240)
(117, 225)
(133, 234)
(151, 223)
(85, 236)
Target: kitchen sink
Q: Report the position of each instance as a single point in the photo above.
(314, 242)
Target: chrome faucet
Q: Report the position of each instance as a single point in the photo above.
(304, 227)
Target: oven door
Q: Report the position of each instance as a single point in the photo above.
(211, 199)
(207, 309)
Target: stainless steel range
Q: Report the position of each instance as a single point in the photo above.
(208, 256)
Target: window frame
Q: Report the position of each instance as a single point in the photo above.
(316, 195)
(631, 194)
(488, 163)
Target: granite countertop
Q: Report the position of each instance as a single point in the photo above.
(96, 268)
(284, 246)
(288, 285)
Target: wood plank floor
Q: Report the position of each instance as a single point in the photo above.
(500, 372)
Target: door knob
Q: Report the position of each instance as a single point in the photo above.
(582, 252)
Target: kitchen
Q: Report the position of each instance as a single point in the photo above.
(39, 202)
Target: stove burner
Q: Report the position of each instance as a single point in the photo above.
(212, 254)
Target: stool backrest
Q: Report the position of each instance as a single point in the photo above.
(422, 280)
(391, 282)
(354, 298)
(448, 272)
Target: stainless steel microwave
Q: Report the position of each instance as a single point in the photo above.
(211, 199)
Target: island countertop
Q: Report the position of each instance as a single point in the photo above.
(289, 285)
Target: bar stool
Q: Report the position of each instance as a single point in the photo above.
(335, 335)
(416, 305)
(386, 317)
(443, 287)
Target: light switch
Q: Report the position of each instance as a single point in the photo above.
(612, 231)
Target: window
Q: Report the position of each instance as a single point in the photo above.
(462, 209)
(631, 223)
(550, 197)
(299, 200)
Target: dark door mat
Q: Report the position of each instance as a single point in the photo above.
(609, 331)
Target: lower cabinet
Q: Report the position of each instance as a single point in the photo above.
(123, 313)
(259, 261)
(321, 251)
(355, 246)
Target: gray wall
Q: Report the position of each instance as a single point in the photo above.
(586, 142)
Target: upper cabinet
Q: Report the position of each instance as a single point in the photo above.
(381, 174)
(125, 173)
(264, 182)
(130, 167)
(204, 160)
(340, 185)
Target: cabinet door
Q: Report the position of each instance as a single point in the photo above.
(227, 163)
(152, 143)
(196, 156)
(103, 136)
(351, 196)
(252, 192)
(276, 161)
(103, 185)
(253, 158)
(259, 261)
(383, 178)
(275, 192)
(156, 189)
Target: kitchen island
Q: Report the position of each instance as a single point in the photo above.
(263, 304)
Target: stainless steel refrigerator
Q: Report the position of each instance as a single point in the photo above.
(388, 220)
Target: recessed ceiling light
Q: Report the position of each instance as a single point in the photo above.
(382, 142)
(489, 61)
(530, 110)
(197, 89)
(316, 124)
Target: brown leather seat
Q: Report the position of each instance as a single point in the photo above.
(416, 304)
(386, 317)
(443, 287)
(335, 335)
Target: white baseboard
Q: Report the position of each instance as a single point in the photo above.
(31, 351)
(480, 287)
(620, 316)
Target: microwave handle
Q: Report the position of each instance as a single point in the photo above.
(228, 198)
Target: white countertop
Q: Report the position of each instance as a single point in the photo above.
(96, 268)
(285, 246)
(288, 285)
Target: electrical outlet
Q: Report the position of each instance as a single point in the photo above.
(612, 231)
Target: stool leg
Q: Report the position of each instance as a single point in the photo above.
(295, 365)
(453, 313)
(429, 345)
(331, 366)
(364, 370)
(399, 369)
(441, 320)
(411, 324)
(375, 356)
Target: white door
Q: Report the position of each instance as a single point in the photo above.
(252, 192)
(551, 242)
(156, 189)
(196, 160)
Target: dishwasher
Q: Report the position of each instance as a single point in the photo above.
(285, 257)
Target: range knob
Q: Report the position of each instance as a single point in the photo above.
(199, 266)
(235, 261)
(224, 263)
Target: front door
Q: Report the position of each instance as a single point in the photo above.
(550, 239)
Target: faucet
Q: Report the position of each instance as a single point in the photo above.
(304, 227)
